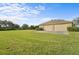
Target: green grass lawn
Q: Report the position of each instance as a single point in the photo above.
(25, 42)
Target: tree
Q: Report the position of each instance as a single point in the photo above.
(16, 26)
(32, 27)
(25, 26)
(8, 25)
(36, 27)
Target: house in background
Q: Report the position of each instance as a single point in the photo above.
(76, 22)
(56, 25)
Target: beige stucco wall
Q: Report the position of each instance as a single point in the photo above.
(60, 27)
(49, 28)
(41, 26)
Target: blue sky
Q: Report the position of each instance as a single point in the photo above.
(36, 13)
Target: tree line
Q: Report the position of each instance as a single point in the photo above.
(9, 25)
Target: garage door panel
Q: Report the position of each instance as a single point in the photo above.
(60, 28)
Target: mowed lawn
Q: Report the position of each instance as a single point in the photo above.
(27, 42)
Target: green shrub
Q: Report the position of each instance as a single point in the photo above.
(73, 29)
(39, 29)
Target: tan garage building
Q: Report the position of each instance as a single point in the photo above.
(56, 25)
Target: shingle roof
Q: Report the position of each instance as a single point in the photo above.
(54, 22)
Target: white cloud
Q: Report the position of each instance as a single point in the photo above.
(40, 7)
(16, 12)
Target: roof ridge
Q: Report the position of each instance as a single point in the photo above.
(57, 21)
